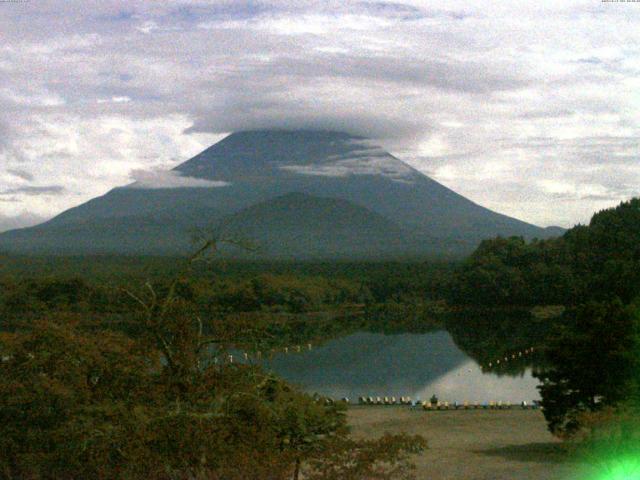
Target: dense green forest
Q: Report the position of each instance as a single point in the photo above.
(598, 261)
(592, 353)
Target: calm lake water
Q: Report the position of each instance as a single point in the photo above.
(416, 365)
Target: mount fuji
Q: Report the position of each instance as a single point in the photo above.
(295, 194)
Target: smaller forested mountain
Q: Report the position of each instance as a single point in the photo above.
(597, 261)
(300, 226)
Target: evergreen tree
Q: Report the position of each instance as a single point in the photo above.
(592, 363)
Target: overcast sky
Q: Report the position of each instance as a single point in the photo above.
(530, 108)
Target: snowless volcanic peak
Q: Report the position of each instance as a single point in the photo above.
(274, 153)
(304, 193)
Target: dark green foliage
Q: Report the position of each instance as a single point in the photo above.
(74, 406)
(78, 400)
(599, 261)
(65, 399)
(607, 252)
(591, 360)
(488, 336)
(510, 271)
(592, 363)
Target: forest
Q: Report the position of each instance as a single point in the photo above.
(108, 380)
(106, 371)
(592, 352)
(598, 261)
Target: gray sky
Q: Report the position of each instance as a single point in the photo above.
(529, 108)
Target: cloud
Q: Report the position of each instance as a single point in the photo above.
(468, 382)
(21, 220)
(34, 190)
(22, 174)
(90, 156)
(4, 133)
(115, 99)
(169, 179)
(487, 98)
(368, 163)
(365, 157)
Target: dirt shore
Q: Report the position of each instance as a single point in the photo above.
(475, 444)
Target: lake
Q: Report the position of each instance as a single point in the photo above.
(406, 364)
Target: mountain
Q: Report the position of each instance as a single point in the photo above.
(352, 196)
(554, 231)
(297, 225)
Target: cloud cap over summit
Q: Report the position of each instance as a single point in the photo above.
(527, 107)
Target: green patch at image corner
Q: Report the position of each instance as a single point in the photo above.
(623, 468)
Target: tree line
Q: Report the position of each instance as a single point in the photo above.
(596, 262)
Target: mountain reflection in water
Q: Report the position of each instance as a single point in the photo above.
(416, 365)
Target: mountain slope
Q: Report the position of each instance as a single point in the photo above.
(298, 225)
(253, 167)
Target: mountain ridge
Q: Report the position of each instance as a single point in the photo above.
(253, 167)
